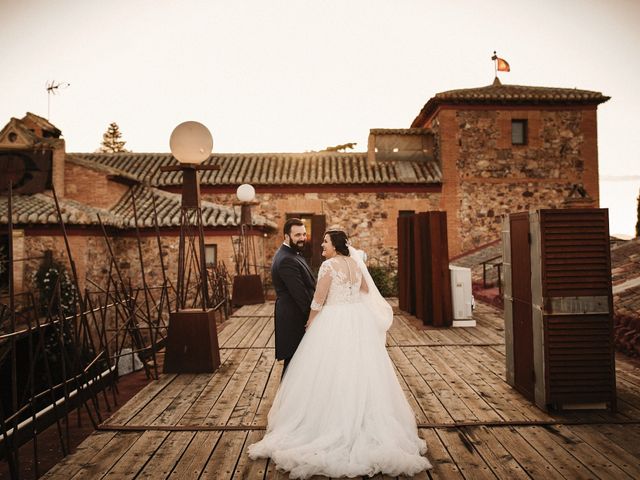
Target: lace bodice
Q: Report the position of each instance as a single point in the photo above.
(339, 281)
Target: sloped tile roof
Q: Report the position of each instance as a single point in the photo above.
(40, 209)
(625, 261)
(168, 207)
(497, 93)
(317, 168)
(401, 131)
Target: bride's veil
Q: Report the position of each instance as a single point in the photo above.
(379, 307)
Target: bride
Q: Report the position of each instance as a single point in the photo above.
(340, 410)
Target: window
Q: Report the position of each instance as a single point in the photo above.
(406, 213)
(211, 254)
(518, 132)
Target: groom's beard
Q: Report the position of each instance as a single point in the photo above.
(298, 247)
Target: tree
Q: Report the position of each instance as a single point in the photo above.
(111, 142)
(341, 148)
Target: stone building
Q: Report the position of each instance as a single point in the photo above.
(510, 148)
(475, 153)
(96, 205)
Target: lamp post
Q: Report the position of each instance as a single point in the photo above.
(192, 339)
(247, 284)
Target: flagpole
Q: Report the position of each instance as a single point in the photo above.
(495, 64)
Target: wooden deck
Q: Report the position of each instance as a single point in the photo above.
(475, 424)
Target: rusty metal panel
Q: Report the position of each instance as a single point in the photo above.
(576, 305)
(507, 298)
(523, 343)
(575, 246)
(406, 272)
(441, 274)
(422, 267)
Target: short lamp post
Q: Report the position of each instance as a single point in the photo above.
(247, 284)
(192, 338)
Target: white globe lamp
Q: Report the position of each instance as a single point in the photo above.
(246, 193)
(191, 143)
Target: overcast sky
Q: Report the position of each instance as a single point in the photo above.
(300, 75)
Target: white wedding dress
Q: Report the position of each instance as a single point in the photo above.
(340, 410)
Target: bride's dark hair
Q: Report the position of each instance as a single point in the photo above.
(339, 240)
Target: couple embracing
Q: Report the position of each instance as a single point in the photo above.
(339, 410)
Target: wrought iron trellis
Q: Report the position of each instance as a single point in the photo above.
(109, 322)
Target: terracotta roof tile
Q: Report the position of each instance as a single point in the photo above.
(168, 207)
(509, 95)
(267, 169)
(40, 209)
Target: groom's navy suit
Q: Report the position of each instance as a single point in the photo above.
(295, 285)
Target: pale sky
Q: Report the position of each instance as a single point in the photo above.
(301, 75)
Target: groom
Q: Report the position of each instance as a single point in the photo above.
(294, 284)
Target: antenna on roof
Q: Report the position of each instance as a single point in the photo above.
(52, 88)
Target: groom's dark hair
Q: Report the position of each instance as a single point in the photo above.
(290, 223)
(339, 240)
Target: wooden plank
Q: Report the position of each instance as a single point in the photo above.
(473, 376)
(167, 456)
(198, 412)
(183, 401)
(624, 436)
(140, 400)
(623, 459)
(195, 457)
(269, 394)
(135, 458)
(414, 373)
(240, 333)
(84, 454)
(481, 410)
(599, 464)
(262, 340)
(417, 392)
(229, 328)
(107, 456)
(531, 461)
(565, 463)
(444, 466)
(509, 402)
(467, 459)
(446, 394)
(160, 402)
(493, 453)
(222, 462)
(246, 311)
(224, 406)
(245, 410)
(254, 331)
(247, 468)
(401, 333)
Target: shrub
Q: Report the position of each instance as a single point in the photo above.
(46, 280)
(386, 279)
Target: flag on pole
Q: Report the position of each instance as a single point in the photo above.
(503, 65)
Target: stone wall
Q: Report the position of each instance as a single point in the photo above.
(493, 178)
(370, 218)
(92, 259)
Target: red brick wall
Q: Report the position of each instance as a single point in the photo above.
(485, 176)
(91, 187)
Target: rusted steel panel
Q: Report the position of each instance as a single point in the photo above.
(571, 303)
(406, 272)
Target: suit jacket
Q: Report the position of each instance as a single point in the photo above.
(295, 285)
